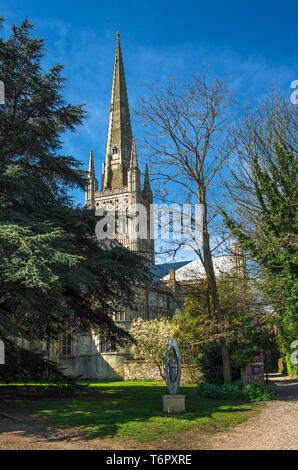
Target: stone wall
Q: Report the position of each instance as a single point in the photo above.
(88, 363)
(253, 373)
(142, 370)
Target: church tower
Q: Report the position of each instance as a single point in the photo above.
(121, 176)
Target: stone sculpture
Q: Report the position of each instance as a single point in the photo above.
(172, 366)
(173, 403)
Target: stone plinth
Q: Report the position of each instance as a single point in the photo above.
(173, 404)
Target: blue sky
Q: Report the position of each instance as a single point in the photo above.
(254, 42)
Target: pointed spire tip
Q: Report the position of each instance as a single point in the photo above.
(133, 155)
(91, 164)
(147, 187)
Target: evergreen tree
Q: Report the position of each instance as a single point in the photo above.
(53, 274)
(267, 198)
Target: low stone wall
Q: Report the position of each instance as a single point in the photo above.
(142, 370)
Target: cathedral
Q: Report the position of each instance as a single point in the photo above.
(120, 186)
(91, 356)
(120, 183)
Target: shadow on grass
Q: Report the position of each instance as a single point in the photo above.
(143, 421)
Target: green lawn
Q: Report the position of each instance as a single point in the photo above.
(138, 389)
(133, 410)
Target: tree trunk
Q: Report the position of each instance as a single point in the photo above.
(214, 294)
(226, 361)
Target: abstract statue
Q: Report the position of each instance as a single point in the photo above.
(172, 366)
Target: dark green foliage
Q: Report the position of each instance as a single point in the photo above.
(210, 362)
(197, 334)
(53, 274)
(282, 365)
(236, 392)
(285, 366)
(292, 369)
(24, 366)
(243, 354)
(264, 217)
(273, 242)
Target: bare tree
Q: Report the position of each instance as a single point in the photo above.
(256, 134)
(186, 133)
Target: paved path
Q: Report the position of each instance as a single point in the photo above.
(20, 435)
(274, 428)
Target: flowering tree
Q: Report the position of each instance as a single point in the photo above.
(150, 338)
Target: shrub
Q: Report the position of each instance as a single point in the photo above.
(25, 366)
(292, 369)
(210, 363)
(236, 392)
(282, 366)
(285, 366)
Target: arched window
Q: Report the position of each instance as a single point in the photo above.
(107, 345)
(66, 345)
(115, 152)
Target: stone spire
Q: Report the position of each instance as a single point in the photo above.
(119, 142)
(133, 156)
(121, 179)
(147, 195)
(91, 171)
(147, 187)
(133, 172)
(92, 183)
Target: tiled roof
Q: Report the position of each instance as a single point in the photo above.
(160, 271)
(195, 269)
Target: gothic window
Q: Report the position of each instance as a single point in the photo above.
(120, 316)
(107, 345)
(66, 345)
(115, 152)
